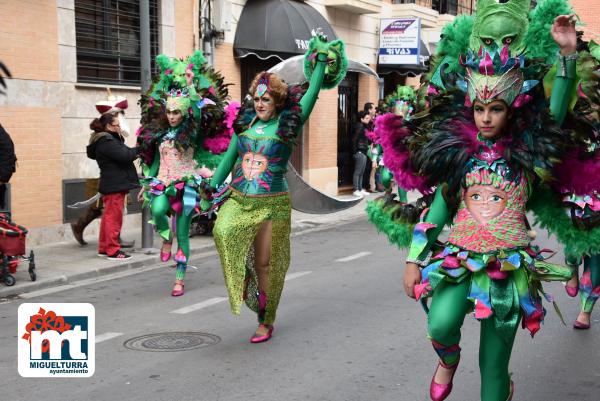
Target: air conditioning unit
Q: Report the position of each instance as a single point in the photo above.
(222, 15)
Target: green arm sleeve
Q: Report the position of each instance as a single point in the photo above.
(561, 92)
(312, 94)
(438, 214)
(226, 164)
(152, 170)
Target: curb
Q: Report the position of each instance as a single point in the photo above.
(141, 260)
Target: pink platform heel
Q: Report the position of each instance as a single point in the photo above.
(439, 392)
(178, 293)
(165, 256)
(266, 337)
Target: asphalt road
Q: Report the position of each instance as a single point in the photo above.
(345, 331)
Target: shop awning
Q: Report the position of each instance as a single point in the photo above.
(412, 69)
(277, 28)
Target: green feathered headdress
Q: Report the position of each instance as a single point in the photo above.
(337, 62)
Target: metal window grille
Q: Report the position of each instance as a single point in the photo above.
(108, 40)
(453, 7)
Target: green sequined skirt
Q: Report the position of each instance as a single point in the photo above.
(238, 222)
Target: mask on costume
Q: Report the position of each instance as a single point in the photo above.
(495, 76)
(500, 24)
(403, 99)
(178, 100)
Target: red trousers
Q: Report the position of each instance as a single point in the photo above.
(111, 223)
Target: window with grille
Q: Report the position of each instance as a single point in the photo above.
(108, 40)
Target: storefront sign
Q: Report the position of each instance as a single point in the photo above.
(399, 41)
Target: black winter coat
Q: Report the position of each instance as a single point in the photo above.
(8, 159)
(360, 142)
(115, 159)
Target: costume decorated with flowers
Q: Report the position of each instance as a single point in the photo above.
(175, 160)
(481, 187)
(257, 158)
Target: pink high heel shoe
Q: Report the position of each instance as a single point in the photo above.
(165, 256)
(178, 293)
(439, 392)
(266, 337)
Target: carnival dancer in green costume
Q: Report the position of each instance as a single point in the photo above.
(400, 103)
(486, 154)
(186, 124)
(579, 178)
(252, 231)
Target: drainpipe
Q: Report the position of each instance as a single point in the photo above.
(147, 232)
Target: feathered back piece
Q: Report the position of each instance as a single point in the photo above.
(289, 120)
(204, 118)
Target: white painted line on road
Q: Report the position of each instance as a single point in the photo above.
(107, 336)
(201, 305)
(296, 275)
(352, 257)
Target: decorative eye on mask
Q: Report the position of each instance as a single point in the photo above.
(487, 41)
(508, 40)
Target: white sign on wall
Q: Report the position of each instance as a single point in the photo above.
(399, 41)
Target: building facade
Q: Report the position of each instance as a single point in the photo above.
(63, 54)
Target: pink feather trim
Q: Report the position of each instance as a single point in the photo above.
(220, 142)
(372, 135)
(578, 176)
(388, 128)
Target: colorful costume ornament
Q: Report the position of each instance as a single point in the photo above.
(186, 125)
(252, 231)
(483, 187)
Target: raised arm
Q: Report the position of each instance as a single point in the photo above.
(564, 34)
(316, 80)
(226, 163)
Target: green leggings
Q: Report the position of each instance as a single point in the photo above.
(386, 180)
(159, 207)
(589, 283)
(446, 315)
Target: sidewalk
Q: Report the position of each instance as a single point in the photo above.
(66, 262)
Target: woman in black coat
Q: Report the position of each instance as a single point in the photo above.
(117, 177)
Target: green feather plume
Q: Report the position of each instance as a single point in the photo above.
(538, 37)
(382, 217)
(550, 214)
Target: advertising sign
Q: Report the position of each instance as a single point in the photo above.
(399, 41)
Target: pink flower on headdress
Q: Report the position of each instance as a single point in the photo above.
(168, 71)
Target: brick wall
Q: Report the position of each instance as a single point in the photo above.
(589, 12)
(229, 67)
(184, 27)
(36, 186)
(29, 33)
(368, 90)
(320, 145)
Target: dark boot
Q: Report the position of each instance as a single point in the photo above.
(84, 220)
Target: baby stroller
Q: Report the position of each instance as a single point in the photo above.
(12, 249)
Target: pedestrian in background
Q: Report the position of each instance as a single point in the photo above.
(360, 147)
(8, 161)
(117, 177)
(369, 174)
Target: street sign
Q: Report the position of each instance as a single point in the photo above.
(399, 41)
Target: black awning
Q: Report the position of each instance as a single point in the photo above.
(408, 69)
(277, 28)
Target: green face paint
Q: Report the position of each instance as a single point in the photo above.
(500, 24)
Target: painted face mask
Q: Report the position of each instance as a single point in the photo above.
(500, 24)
